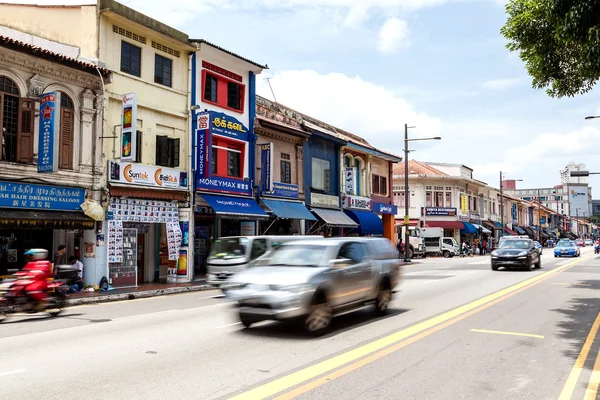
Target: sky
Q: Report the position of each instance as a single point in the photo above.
(371, 66)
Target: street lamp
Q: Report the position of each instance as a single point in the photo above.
(592, 117)
(406, 193)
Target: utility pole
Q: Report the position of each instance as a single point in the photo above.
(406, 194)
(539, 217)
(501, 206)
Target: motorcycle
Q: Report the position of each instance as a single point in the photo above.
(597, 249)
(14, 299)
(468, 252)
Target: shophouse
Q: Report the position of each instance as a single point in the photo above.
(146, 123)
(279, 153)
(51, 116)
(223, 99)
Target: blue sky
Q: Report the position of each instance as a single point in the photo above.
(369, 66)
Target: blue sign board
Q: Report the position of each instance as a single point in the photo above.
(224, 185)
(381, 208)
(265, 171)
(283, 190)
(47, 151)
(543, 220)
(222, 124)
(439, 211)
(40, 197)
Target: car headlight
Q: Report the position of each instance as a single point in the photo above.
(495, 253)
(298, 288)
(523, 253)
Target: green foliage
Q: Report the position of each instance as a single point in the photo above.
(559, 41)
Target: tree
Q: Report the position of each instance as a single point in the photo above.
(559, 41)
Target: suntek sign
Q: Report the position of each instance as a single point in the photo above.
(146, 175)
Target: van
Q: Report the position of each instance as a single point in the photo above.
(230, 255)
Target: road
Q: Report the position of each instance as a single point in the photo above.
(456, 330)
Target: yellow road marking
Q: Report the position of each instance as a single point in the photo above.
(573, 378)
(508, 333)
(592, 389)
(279, 385)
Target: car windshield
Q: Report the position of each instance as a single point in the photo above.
(515, 244)
(297, 255)
(564, 244)
(229, 248)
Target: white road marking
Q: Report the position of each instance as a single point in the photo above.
(143, 315)
(16, 371)
(228, 325)
(216, 296)
(472, 272)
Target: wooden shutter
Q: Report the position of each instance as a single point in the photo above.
(25, 134)
(173, 153)
(138, 146)
(162, 151)
(65, 146)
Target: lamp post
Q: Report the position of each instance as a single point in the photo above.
(406, 192)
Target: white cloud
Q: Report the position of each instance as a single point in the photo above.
(392, 35)
(501, 84)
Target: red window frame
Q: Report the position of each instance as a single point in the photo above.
(222, 91)
(224, 143)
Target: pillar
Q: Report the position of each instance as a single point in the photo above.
(389, 227)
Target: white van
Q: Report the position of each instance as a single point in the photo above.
(230, 255)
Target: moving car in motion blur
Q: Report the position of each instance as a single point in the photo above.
(567, 248)
(538, 247)
(516, 253)
(589, 242)
(315, 280)
(580, 242)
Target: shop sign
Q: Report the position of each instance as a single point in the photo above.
(247, 228)
(146, 175)
(357, 202)
(381, 208)
(49, 126)
(217, 123)
(324, 200)
(439, 211)
(463, 218)
(129, 127)
(40, 197)
(224, 185)
(284, 190)
(464, 204)
(266, 162)
(350, 180)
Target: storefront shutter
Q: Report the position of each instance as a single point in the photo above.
(67, 124)
(26, 127)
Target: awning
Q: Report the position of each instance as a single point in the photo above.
(529, 231)
(289, 209)
(510, 231)
(520, 230)
(334, 218)
(42, 219)
(445, 224)
(483, 228)
(149, 193)
(468, 229)
(368, 222)
(498, 225)
(235, 207)
(492, 225)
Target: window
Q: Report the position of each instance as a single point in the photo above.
(167, 151)
(66, 135)
(227, 158)
(375, 184)
(286, 171)
(234, 163)
(259, 247)
(163, 68)
(348, 161)
(439, 199)
(448, 199)
(17, 119)
(427, 199)
(357, 165)
(321, 172)
(383, 185)
(213, 160)
(131, 59)
(223, 92)
(399, 199)
(352, 251)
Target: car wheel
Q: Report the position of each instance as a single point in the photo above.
(384, 298)
(530, 266)
(411, 252)
(245, 322)
(539, 264)
(319, 317)
(447, 254)
(494, 267)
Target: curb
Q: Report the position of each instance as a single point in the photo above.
(139, 295)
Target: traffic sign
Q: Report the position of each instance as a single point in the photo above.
(406, 220)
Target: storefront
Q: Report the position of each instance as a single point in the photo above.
(148, 219)
(359, 209)
(41, 216)
(331, 219)
(442, 217)
(386, 211)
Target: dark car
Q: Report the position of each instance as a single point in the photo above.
(516, 253)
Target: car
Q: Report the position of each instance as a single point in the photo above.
(315, 280)
(516, 253)
(589, 242)
(580, 242)
(567, 248)
(538, 246)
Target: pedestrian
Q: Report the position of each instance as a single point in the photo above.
(60, 257)
(484, 247)
(399, 247)
(79, 265)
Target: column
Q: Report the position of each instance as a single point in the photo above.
(389, 226)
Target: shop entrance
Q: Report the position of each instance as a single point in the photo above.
(15, 242)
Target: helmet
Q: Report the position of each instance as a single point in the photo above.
(37, 254)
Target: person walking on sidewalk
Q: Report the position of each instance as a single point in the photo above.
(484, 247)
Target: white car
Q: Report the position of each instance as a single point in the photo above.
(589, 242)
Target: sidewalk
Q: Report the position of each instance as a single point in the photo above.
(142, 291)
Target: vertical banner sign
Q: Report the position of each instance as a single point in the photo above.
(350, 180)
(48, 137)
(129, 127)
(464, 204)
(204, 146)
(266, 159)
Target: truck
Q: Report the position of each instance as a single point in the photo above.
(439, 245)
(416, 246)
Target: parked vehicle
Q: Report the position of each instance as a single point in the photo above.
(589, 242)
(315, 280)
(233, 254)
(580, 242)
(437, 244)
(516, 253)
(416, 247)
(538, 246)
(567, 248)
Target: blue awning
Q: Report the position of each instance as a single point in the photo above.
(498, 224)
(519, 230)
(289, 209)
(469, 229)
(368, 222)
(235, 206)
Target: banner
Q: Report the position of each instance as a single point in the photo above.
(350, 180)
(49, 130)
(40, 197)
(439, 211)
(173, 239)
(146, 175)
(464, 204)
(266, 160)
(129, 127)
(204, 146)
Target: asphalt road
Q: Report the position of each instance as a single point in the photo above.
(457, 330)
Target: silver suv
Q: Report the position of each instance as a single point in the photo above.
(314, 280)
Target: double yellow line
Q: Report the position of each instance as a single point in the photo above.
(346, 362)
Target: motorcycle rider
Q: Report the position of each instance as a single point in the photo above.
(40, 270)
